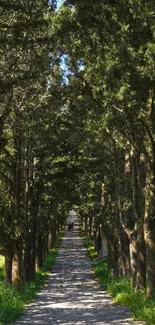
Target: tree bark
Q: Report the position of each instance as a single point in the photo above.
(8, 265)
(149, 235)
(133, 254)
(27, 260)
(113, 256)
(124, 255)
(141, 258)
(53, 232)
(17, 267)
(40, 257)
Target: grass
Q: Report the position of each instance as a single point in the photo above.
(90, 247)
(13, 301)
(121, 289)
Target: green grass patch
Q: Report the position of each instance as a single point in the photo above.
(101, 272)
(50, 260)
(11, 304)
(121, 289)
(124, 294)
(90, 247)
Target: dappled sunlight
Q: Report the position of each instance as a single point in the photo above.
(72, 295)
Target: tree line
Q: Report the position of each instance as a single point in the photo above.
(33, 202)
(109, 50)
(77, 127)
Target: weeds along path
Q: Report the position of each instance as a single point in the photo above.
(72, 295)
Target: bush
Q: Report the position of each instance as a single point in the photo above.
(11, 304)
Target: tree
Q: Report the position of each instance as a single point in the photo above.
(114, 68)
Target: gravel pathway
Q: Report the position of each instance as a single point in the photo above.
(72, 295)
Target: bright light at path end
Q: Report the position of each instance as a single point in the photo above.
(59, 2)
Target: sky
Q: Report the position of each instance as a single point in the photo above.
(59, 2)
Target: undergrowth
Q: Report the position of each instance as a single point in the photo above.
(13, 301)
(121, 289)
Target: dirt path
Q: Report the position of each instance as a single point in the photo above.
(72, 295)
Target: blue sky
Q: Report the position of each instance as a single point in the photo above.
(59, 2)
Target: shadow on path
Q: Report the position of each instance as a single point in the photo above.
(72, 295)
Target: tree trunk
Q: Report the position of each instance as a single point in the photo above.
(150, 260)
(85, 225)
(50, 241)
(17, 267)
(33, 257)
(90, 226)
(27, 246)
(133, 255)
(53, 232)
(149, 218)
(27, 261)
(141, 258)
(149, 235)
(8, 265)
(45, 246)
(124, 255)
(113, 256)
(40, 258)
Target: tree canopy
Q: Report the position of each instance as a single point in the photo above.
(77, 128)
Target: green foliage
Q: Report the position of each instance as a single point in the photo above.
(101, 271)
(90, 248)
(124, 293)
(11, 304)
(92, 253)
(75, 87)
(119, 285)
(50, 260)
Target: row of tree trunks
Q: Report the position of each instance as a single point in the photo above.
(21, 260)
(29, 250)
(131, 236)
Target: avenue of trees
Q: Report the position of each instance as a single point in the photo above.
(32, 201)
(77, 126)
